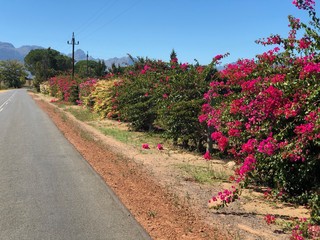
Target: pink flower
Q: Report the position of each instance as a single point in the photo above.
(233, 132)
(249, 86)
(305, 4)
(314, 231)
(218, 57)
(268, 146)
(165, 96)
(220, 139)
(304, 128)
(248, 165)
(249, 146)
(236, 105)
(202, 118)
(309, 68)
(174, 60)
(146, 68)
(270, 219)
(278, 78)
(184, 66)
(145, 146)
(160, 147)
(273, 39)
(207, 155)
(304, 43)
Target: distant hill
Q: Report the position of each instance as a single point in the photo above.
(80, 55)
(9, 52)
(123, 61)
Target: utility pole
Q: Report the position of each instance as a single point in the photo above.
(73, 42)
(87, 64)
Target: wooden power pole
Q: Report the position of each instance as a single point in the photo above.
(87, 64)
(73, 42)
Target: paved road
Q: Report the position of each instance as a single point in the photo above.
(47, 190)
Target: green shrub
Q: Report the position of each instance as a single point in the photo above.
(156, 95)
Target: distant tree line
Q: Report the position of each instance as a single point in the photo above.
(46, 63)
(43, 64)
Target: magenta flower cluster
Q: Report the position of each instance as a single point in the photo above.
(265, 113)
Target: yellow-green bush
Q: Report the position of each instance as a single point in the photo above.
(100, 98)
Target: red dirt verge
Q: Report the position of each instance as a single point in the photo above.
(158, 210)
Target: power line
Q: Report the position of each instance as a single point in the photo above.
(94, 17)
(112, 20)
(82, 28)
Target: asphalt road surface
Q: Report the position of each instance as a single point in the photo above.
(47, 190)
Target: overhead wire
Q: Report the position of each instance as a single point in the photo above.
(83, 32)
(93, 18)
(90, 34)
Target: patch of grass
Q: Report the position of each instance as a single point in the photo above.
(152, 214)
(85, 135)
(60, 104)
(120, 135)
(153, 139)
(63, 116)
(83, 114)
(134, 138)
(203, 174)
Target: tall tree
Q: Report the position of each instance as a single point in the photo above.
(45, 63)
(12, 73)
(100, 69)
(86, 69)
(116, 69)
(173, 56)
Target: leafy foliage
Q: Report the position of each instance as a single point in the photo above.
(100, 69)
(97, 96)
(156, 95)
(46, 63)
(86, 69)
(12, 74)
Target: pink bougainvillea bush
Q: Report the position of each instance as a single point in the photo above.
(265, 113)
(65, 88)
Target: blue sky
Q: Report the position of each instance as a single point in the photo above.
(148, 28)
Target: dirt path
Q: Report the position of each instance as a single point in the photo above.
(155, 186)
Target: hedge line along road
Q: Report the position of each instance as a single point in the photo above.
(47, 190)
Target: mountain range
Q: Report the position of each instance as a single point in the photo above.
(79, 55)
(9, 52)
